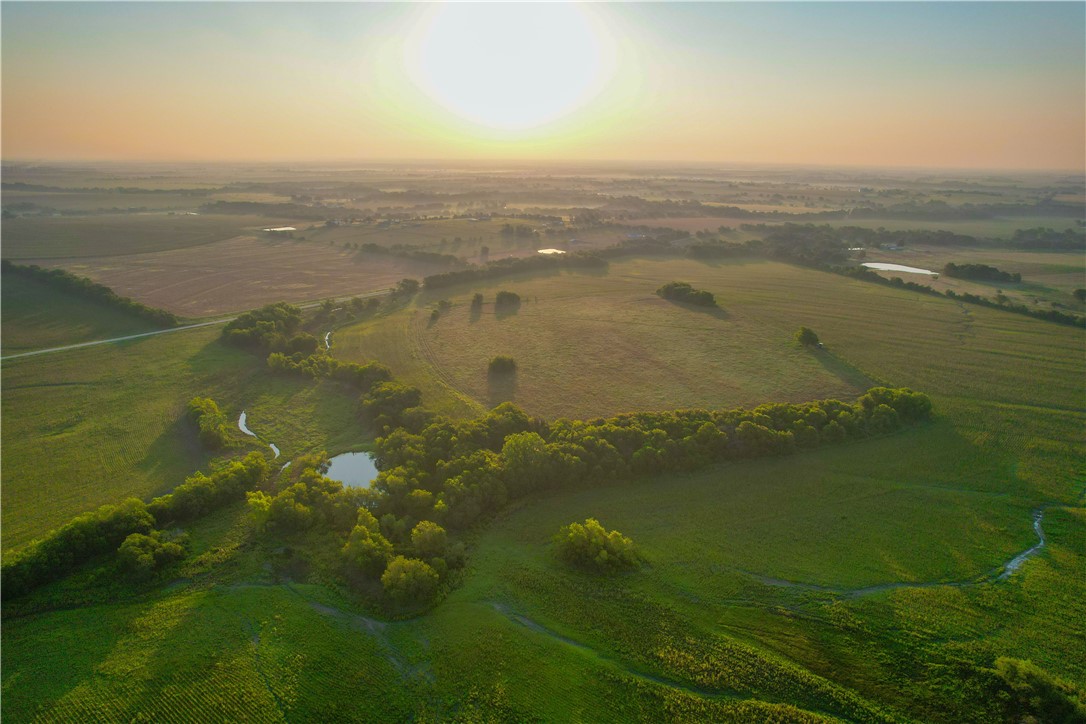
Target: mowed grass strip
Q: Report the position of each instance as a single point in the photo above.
(36, 316)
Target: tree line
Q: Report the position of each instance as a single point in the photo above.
(982, 272)
(103, 531)
(87, 289)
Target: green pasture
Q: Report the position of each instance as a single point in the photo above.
(32, 237)
(771, 591)
(91, 426)
(36, 316)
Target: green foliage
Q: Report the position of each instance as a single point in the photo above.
(806, 337)
(386, 402)
(312, 501)
(683, 292)
(85, 288)
(506, 301)
(321, 365)
(429, 539)
(270, 328)
(589, 545)
(59, 552)
(367, 550)
(409, 581)
(502, 365)
(982, 272)
(211, 422)
(141, 555)
(200, 493)
(477, 301)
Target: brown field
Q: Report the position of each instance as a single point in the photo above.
(243, 273)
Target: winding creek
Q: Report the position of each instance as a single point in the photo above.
(245, 428)
(1000, 573)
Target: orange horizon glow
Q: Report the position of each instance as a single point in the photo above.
(1001, 86)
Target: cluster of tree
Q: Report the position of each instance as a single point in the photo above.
(513, 265)
(458, 472)
(213, 429)
(272, 210)
(410, 251)
(272, 328)
(520, 231)
(86, 289)
(506, 301)
(683, 292)
(141, 554)
(321, 365)
(93, 534)
(1041, 237)
(805, 244)
(982, 272)
(589, 545)
(410, 563)
(501, 365)
(406, 288)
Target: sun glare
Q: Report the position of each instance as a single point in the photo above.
(510, 66)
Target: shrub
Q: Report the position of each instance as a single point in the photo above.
(141, 555)
(429, 539)
(588, 545)
(366, 549)
(806, 337)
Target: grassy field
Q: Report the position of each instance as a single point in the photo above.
(752, 603)
(1047, 277)
(35, 316)
(92, 426)
(38, 239)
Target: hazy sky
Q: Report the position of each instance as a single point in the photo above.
(996, 85)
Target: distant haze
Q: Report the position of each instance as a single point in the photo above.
(962, 85)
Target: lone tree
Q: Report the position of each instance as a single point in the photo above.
(807, 337)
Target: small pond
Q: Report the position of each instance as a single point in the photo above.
(551, 251)
(897, 267)
(354, 469)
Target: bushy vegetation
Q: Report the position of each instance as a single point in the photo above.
(506, 301)
(807, 337)
(210, 421)
(589, 545)
(272, 328)
(409, 581)
(683, 292)
(141, 555)
(981, 272)
(457, 472)
(502, 365)
(87, 289)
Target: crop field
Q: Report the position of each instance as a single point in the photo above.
(54, 241)
(36, 316)
(245, 272)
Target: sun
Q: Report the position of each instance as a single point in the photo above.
(510, 67)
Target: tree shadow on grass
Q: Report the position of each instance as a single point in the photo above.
(501, 387)
(844, 371)
(713, 311)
